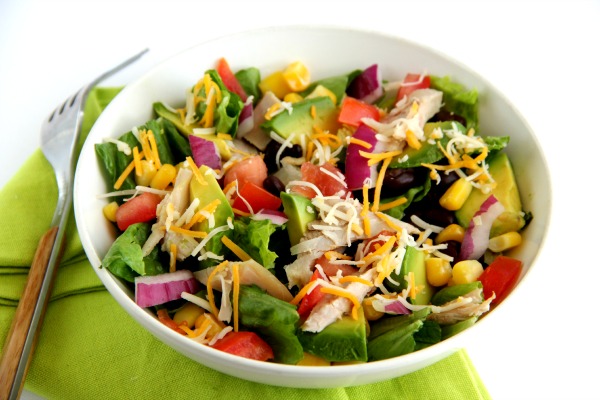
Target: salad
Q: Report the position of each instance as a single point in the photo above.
(314, 222)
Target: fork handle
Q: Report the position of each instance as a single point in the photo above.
(15, 349)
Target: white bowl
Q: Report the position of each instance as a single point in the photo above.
(327, 51)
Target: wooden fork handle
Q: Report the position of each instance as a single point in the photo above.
(19, 330)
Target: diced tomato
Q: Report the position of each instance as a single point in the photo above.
(375, 242)
(309, 301)
(500, 277)
(354, 110)
(331, 269)
(229, 79)
(257, 197)
(139, 209)
(327, 184)
(410, 85)
(252, 169)
(163, 316)
(245, 344)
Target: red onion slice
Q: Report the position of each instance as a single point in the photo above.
(367, 86)
(357, 167)
(477, 235)
(159, 289)
(205, 152)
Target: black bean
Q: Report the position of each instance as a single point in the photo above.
(397, 181)
(271, 154)
(273, 185)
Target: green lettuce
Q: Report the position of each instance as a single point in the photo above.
(124, 259)
(253, 236)
(458, 100)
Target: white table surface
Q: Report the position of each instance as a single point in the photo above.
(542, 55)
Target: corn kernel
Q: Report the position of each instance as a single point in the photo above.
(297, 76)
(148, 171)
(466, 271)
(322, 91)
(505, 241)
(456, 195)
(188, 313)
(438, 271)
(292, 98)
(312, 360)
(370, 313)
(275, 83)
(110, 211)
(164, 176)
(452, 232)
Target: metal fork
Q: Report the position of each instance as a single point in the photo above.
(60, 134)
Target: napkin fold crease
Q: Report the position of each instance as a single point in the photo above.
(91, 348)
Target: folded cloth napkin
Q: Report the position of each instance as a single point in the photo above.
(91, 348)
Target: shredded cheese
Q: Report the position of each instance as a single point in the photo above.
(379, 184)
(211, 296)
(238, 251)
(236, 296)
(173, 257)
(196, 170)
(125, 174)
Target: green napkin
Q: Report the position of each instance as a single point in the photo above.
(91, 348)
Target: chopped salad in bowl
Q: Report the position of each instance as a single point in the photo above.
(346, 219)
(268, 215)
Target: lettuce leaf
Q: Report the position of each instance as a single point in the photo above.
(249, 79)
(253, 237)
(458, 100)
(124, 259)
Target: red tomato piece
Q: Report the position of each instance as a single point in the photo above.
(410, 82)
(331, 269)
(229, 79)
(257, 197)
(309, 301)
(500, 277)
(327, 184)
(353, 110)
(245, 344)
(252, 169)
(163, 316)
(139, 209)
(375, 242)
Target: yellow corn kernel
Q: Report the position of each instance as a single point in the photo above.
(313, 361)
(147, 173)
(275, 83)
(456, 195)
(297, 76)
(322, 91)
(438, 271)
(188, 313)
(164, 176)
(370, 313)
(466, 271)
(452, 232)
(292, 98)
(110, 211)
(505, 241)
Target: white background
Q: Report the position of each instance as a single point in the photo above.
(542, 55)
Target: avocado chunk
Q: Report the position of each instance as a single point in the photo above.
(165, 112)
(414, 261)
(300, 212)
(207, 194)
(343, 340)
(301, 120)
(507, 193)
(450, 293)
